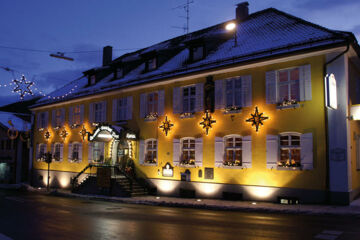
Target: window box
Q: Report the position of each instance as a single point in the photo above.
(287, 104)
(187, 115)
(151, 117)
(233, 109)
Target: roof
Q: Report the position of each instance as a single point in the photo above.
(18, 123)
(263, 34)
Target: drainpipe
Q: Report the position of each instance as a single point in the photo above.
(327, 167)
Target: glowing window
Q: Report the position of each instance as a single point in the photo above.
(289, 150)
(233, 151)
(188, 151)
(151, 151)
(288, 85)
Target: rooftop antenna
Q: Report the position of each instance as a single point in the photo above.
(186, 7)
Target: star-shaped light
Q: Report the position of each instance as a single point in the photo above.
(166, 126)
(23, 87)
(83, 132)
(47, 135)
(207, 122)
(257, 119)
(63, 134)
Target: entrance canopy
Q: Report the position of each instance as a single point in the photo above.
(106, 133)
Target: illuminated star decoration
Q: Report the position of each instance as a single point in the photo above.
(207, 122)
(23, 87)
(166, 126)
(83, 132)
(257, 119)
(47, 135)
(63, 134)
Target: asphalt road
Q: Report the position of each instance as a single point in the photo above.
(34, 216)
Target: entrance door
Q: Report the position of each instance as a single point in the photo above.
(122, 153)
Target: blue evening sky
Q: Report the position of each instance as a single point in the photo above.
(87, 25)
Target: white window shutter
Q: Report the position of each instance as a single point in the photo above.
(161, 102)
(129, 107)
(71, 116)
(37, 153)
(198, 151)
(114, 110)
(246, 91)
(38, 120)
(62, 116)
(246, 152)
(272, 151)
(80, 152)
(70, 149)
(176, 152)
(219, 151)
(177, 100)
(61, 151)
(306, 154)
(141, 152)
(143, 105)
(90, 152)
(104, 112)
(52, 150)
(271, 87)
(53, 119)
(219, 94)
(199, 103)
(305, 83)
(91, 112)
(82, 113)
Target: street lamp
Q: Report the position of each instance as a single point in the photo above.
(232, 27)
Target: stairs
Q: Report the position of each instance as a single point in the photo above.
(132, 188)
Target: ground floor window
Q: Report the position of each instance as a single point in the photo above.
(98, 152)
(151, 151)
(41, 152)
(188, 151)
(75, 152)
(289, 150)
(233, 151)
(57, 154)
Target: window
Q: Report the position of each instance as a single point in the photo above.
(152, 103)
(233, 151)
(92, 79)
(58, 118)
(119, 73)
(121, 109)
(43, 120)
(75, 154)
(189, 98)
(289, 150)
(197, 53)
(233, 93)
(98, 112)
(41, 152)
(151, 151)
(188, 151)
(288, 85)
(77, 115)
(57, 152)
(98, 152)
(151, 64)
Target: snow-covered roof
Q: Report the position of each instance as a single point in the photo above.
(10, 120)
(263, 34)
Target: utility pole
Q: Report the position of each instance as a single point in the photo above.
(186, 8)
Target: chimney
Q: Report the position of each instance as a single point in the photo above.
(107, 55)
(242, 11)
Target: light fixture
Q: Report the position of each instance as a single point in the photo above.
(47, 135)
(63, 134)
(232, 27)
(207, 122)
(257, 119)
(166, 126)
(83, 132)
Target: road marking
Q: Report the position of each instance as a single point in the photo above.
(15, 199)
(328, 235)
(3, 237)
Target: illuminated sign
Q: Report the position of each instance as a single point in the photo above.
(130, 136)
(331, 91)
(168, 170)
(355, 112)
(103, 128)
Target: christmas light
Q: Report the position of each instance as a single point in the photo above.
(207, 122)
(83, 132)
(23, 87)
(47, 135)
(257, 119)
(166, 126)
(63, 134)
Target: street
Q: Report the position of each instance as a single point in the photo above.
(35, 216)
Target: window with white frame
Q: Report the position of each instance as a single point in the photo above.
(233, 92)
(189, 99)
(43, 120)
(75, 152)
(77, 115)
(152, 103)
(98, 112)
(41, 152)
(289, 150)
(151, 151)
(57, 152)
(121, 109)
(288, 85)
(188, 151)
(58, 118)
(233, 151)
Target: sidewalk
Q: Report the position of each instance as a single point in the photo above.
(213, 204)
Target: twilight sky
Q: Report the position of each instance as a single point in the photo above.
(87, 25)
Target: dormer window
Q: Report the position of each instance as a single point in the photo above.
(119, 73)
(92, 79)
(151, 64)
(197, 53)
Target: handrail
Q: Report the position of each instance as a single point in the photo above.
(74, 181)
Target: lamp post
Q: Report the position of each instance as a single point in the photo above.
(48, 160)
(232, 27)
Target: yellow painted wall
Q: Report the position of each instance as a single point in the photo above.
(308, 118)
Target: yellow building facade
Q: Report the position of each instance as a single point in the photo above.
(290, 156)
